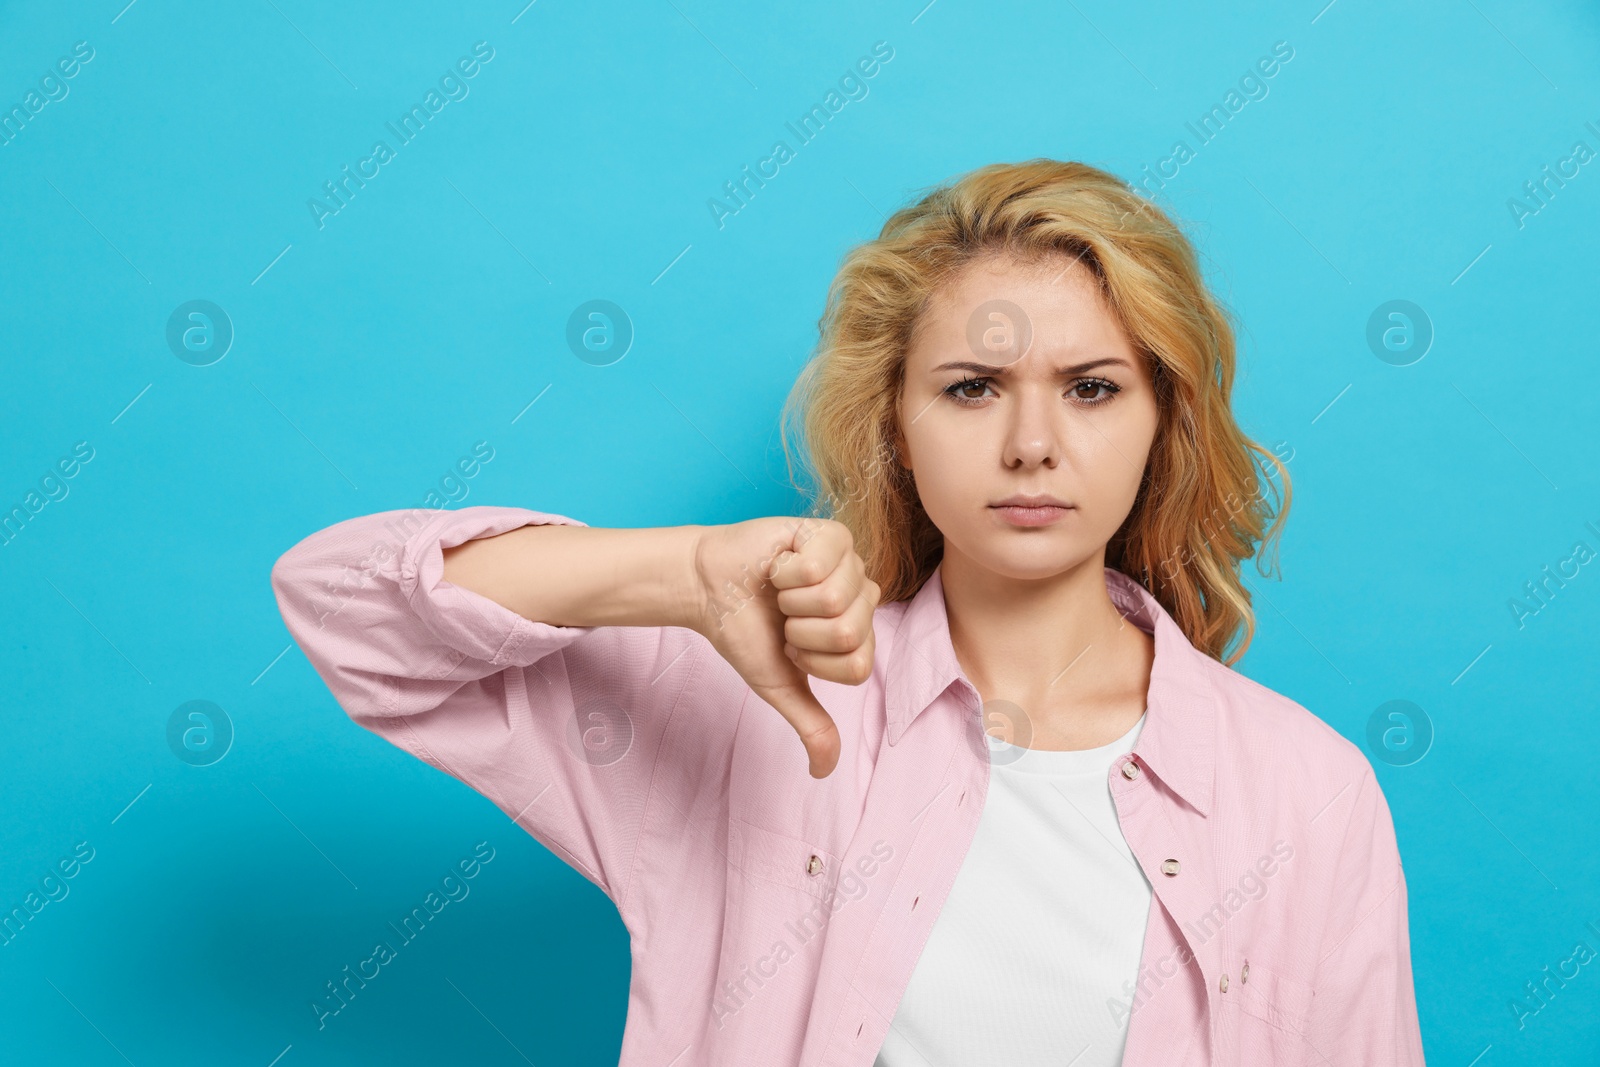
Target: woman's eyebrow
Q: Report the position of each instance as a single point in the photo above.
(988, 369)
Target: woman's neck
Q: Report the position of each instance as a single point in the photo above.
(1054, 654)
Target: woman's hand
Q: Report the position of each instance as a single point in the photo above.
(783, 598)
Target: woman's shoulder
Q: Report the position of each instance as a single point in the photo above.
(1269, 733)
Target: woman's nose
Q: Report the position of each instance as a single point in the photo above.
(1032, 436)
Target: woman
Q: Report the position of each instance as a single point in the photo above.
(1034, 501)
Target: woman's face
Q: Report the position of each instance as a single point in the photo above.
(1020, 383)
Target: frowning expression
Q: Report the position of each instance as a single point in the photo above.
(1027, 415)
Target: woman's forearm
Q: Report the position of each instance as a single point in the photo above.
(583, 575)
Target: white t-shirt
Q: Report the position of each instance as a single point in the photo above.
(1032, 960)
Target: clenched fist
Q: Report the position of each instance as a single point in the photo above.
(784, 598)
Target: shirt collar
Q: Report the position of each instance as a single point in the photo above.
(1178, 741)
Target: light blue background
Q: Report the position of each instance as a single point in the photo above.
(431, 310)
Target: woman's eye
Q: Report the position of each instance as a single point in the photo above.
(1095, 384)
(968, 390)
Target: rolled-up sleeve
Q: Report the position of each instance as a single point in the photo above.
(560, 726)
(1363, 1006)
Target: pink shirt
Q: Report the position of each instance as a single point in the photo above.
(775, 918)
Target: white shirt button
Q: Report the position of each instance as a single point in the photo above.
(813, 865)
(1222, 983)
(1169, 867)
(1130, 770)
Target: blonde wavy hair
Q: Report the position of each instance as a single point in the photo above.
(1200, 507)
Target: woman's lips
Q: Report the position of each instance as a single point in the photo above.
(1018, 515)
